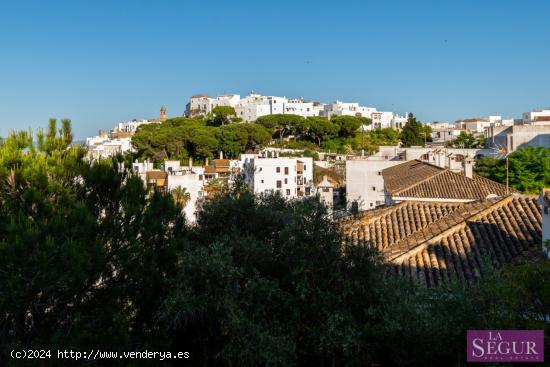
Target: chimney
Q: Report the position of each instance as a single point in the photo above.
(221, 154)
(206, 164)
(190, 163)
(468, 167)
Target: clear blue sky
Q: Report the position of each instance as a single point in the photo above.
(101, 62)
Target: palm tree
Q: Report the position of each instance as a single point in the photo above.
(181, 196)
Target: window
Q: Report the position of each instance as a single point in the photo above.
(262, 181)
(278, 169)
(370, 204)
(279, 184)
(286, 181)
(304, 167)
(374, 188)
(287, 192)
(286, 170)
(200, 177)
(546, 210)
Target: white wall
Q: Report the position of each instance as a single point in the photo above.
(193, 185)
(262, 175)
(365, 183)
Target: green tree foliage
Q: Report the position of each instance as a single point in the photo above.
(349, 124)
(413, 132)
(529, 169)
(320, 129)
(221, 115)
(239, 138)
(467, 140)
(426, 131)
(181, 196)
(375, 138)
(180, 138)
(265, 282)
(282, 125)
(85, 252)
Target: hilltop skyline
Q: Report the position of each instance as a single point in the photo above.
(102, 63)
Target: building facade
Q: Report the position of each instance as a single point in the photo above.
(291, 177)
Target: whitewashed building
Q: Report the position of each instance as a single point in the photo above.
(325, 190)
(199, 104)
(477, 125)
(536, 116)
(365, 184)
(290, 176)
(101, 149)
(228, 100)
(340, 108)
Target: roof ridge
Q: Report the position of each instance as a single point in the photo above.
(423, 243)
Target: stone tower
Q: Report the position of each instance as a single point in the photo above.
(162, 113)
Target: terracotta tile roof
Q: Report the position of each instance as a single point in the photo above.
(383, 227)
(156, 175)
(408, 173)
(420, 180)
(210, 169)
(454, 245)
(221, 163)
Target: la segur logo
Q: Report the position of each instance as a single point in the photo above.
(505, 345)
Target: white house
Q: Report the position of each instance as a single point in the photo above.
(130, 126)
(108, 148)
(339, 108)
(192, 181)
(477, 125)
(325, 190)
(365, 184)
(199, 104)
(536, 116)
(229, 100)
(290, 176)
(301, 108)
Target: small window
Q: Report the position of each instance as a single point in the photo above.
(200, 177)
(278, 169)
(546, 210)
(370, 204)
(287, 192)
(286, 181)
(262, 181)
(286, 170)
(279, 184)
(304, 167)
(374, 188)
